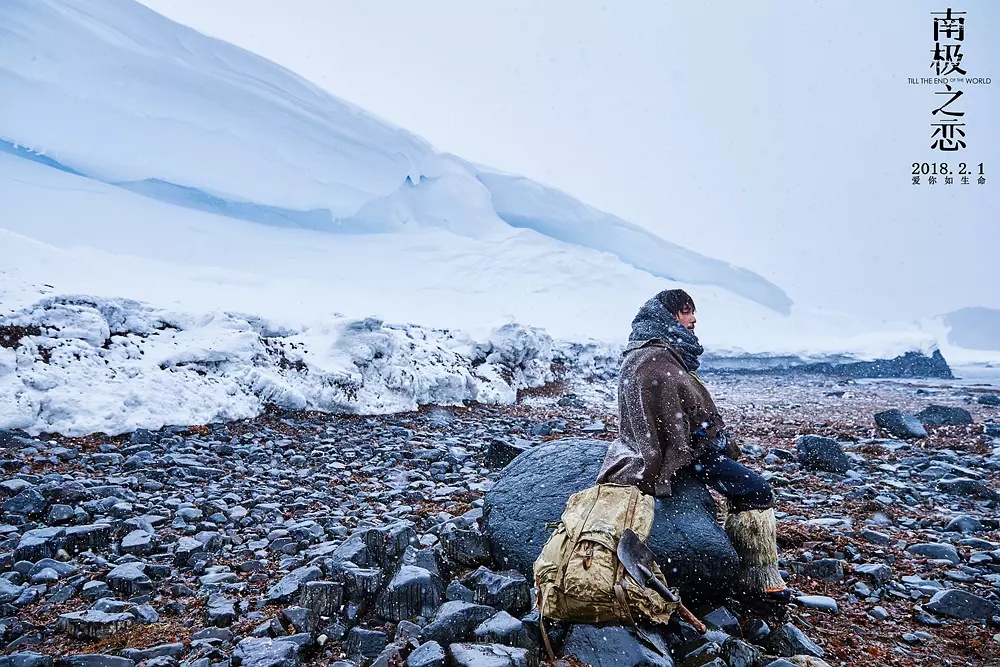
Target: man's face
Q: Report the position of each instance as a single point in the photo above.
(687, 319)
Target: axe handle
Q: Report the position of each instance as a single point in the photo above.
(691, 618)
(661, 588)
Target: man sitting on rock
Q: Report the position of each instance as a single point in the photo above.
(668, 423)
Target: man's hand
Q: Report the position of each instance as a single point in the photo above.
(720, 442)
(731, 447)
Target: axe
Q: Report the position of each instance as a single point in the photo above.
(638, 561)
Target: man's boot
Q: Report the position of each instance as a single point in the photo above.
(754, 536)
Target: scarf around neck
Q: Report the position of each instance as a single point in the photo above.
(655, 321)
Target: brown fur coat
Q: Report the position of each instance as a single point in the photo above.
(661, 406)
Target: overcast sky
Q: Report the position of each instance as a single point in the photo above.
(775, 135)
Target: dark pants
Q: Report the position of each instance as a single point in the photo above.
(742, 487)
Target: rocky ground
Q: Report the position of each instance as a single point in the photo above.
(306, 538)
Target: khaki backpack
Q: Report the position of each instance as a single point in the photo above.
(578, 576)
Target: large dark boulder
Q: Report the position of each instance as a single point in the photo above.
(818, 453)
(900, 424)
(614, 646)
(944, 415)
(691, 547)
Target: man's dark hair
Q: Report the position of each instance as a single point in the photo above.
(676, 300)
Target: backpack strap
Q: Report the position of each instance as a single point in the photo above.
(574, 538)
(633, 500)
(541, 621)
(619, 589)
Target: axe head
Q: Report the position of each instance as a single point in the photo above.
(639, 562)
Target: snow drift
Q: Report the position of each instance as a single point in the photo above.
(77, 365)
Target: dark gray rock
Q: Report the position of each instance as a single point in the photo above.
(487, 655)
(900, 424)
(363, 646)
(960, 604)
(942, 415)
(428, 654)
(111, 605)
(39, 543)
(879, 613)
(25, 660)
(965, 486)
(144, 614)
(385, 544)
(425, 558)
(821, 602)
(95, 590)
(352, 550)
(875, 537)
(964, 524)
(139, 543)
(323, 598)
(360, 584)
(757, 630)
(877, 573)
(220, 611)
(94, 660)
(788, 641)
(690, 546)
(556, 630)
(819, 453)
(94, 625)
(91, 537)
(9, 591)
(334, 628)
(738, 653)
(288, 587)
(213, 633)
(28, 502)
(456, 591)
(700, 650)
(507, 590)
(412, 592)
(934, 550)
(548, 427)
(130, 579)
(405, 631)
(612, 646)
(12, 487)
(174, 650)
(499, 453)
(826, 569)
(572, 401)
(143, 436)
(988, 399)
(723, 619)
(504, 629)
(185, 549)
(389, 657)
(265, 652)
(58, 514)
(62, 569)
(455, 622)
(300, 618)
(465, 547)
